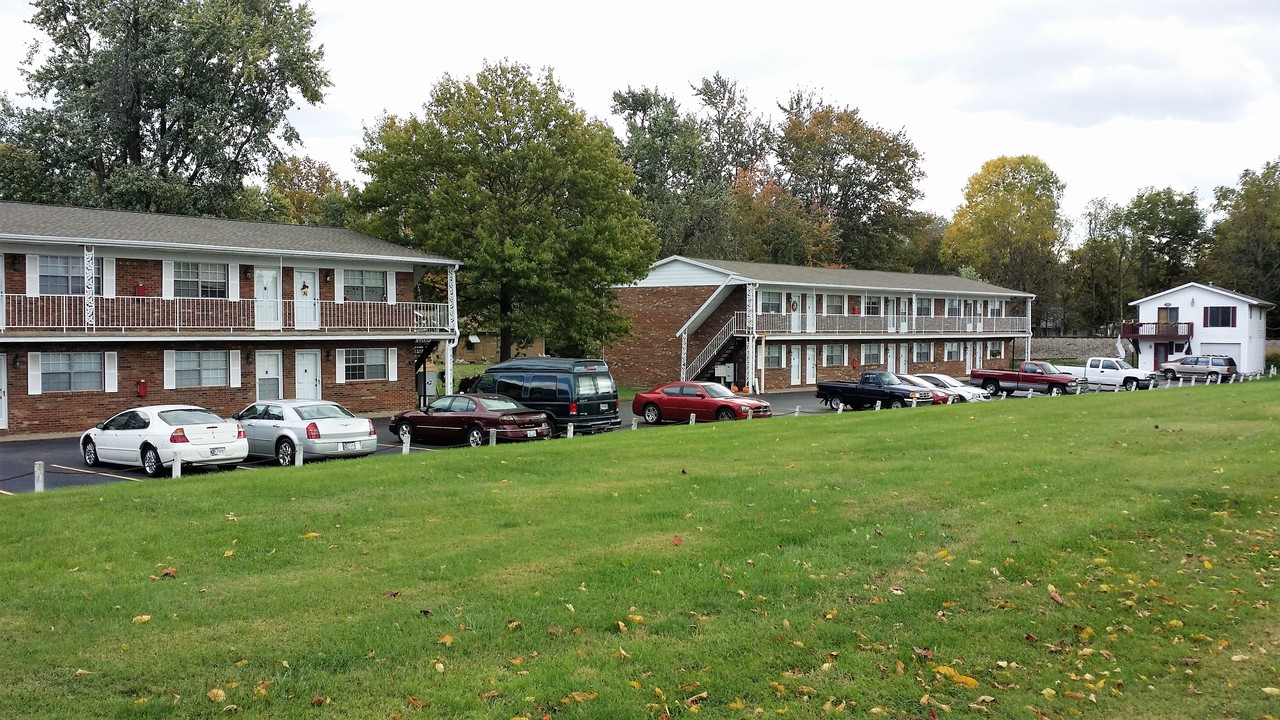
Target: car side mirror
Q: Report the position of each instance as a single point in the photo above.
(235, 416)
(100, 425)
(700, 395)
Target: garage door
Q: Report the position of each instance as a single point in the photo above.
(1231, 350)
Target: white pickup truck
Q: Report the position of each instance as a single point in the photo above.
(1112, 372)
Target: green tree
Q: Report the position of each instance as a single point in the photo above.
(773, 226)
(310, 192)
(923, 250)
(1011, 230)
(734, 138)
(163, 105)
(1168, 232)
(863, 176)
(1244, 253)
(1102, 272)
(506, 174)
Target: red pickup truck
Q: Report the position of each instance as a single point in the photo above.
(1036, 375)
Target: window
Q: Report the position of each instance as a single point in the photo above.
(1216, 316)
(367, 285)
(995, 350)
(199, 280)
(952, 351)
(367, 364)
(996, 308)
(773, 356)
(833, 304)
(771, 302)
(871, 306)
(67, 372)
(924, 307)
(542, 388)
(923, 352)
(206, 368)
(64, 275)
(871, 354)
(953, 307)
(833, 355)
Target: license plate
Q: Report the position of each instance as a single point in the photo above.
(217, 451)
(351, 446)
(604, 407)
(531, 433)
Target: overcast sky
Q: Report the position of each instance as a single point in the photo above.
(1115, 96)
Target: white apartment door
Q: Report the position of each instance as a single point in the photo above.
(968, 315)
(793, 307)
(306, 299)
(266, 295)
(810, 364)
(795, 364)
(904, 314)
(890, 356)
(967, 349)
(306, 372)
(810, 312)
(891, 314)
(4, 391)
(269, 363)
(904, 352)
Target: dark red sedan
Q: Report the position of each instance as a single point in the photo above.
(707, 401)
(467, 420)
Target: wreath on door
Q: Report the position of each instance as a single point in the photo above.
(794, 306)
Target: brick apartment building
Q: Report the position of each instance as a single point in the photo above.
(779, 327)
(103, 310)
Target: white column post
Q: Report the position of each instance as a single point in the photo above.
(39, 476)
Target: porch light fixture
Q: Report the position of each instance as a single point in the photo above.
(328, 276)
(17, 360)
(13, 263)
(328, 354)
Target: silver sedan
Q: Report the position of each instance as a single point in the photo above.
(319, 428)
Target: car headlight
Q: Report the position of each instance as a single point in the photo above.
(744, 408)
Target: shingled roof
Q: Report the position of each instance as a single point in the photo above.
(843, 277)
(91, 226)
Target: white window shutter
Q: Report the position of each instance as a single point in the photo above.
(391, 287)
(233, 368)
(846, 354)
(338, 286)
(340, 366)
(393, 372)
(110, 379)
(33, 367)
(824, 356)
(109, 277)
(166, 279)
(33, 278)
(170, 369)
(786, 355)
(233, 281)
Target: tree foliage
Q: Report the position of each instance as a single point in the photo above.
(309, 192)
(1167, 228)
(163, 105)
(1102, 277)
(1244, 253)
(774, 226)
(506, 174)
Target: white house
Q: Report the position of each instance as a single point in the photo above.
(1195, 319)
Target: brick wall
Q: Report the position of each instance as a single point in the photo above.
(650, 354)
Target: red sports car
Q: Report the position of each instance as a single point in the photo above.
(706, 400)
(467, 420)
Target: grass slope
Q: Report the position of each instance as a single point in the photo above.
(1099, 556)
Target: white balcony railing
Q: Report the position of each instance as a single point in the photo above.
(66, 313)
(787, 324)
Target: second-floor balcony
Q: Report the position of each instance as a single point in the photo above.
(1157, 330)
(774, 324)
(22, 314)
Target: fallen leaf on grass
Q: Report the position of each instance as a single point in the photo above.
(1273, 692)
(513, 624)
(489, 695)
(1054, 596)
(319, 700)
(446, 640)
(169, 572)
(217, 695)
(392, 593)
(677, 540)
(139, 619)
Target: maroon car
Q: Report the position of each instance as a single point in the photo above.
(467, 419)
(706, 400)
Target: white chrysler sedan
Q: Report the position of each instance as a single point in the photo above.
(156, 436)
(317, 428)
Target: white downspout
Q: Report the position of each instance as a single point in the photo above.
(451, 343)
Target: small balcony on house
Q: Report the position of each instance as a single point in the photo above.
(43, 315)
(783, 324)
(1157, 331)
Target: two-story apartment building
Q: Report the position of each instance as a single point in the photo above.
(103, 310)
(775, 327)
(1196, 319)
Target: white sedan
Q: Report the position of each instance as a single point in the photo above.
(319, 428)
(963, 392)
(156, 436)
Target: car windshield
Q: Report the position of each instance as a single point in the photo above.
(944, 380)
(892, 380)
(1124, 365)
(189, 416)
(715, 390)
(499, 404)
(324, 410)
(1050, 368)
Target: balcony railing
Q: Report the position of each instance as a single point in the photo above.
(787, 324)
(1154, 330)
(66, 313)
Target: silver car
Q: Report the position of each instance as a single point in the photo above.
(319, 428)
(963, 393)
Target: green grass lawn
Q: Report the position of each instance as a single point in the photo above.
(1102, 556)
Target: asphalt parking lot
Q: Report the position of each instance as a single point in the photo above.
(64, 466)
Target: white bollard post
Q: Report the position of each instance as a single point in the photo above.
(39, 476)
(1004, 395)
(404, 443)
(635, 423)
(751, 412)
(1272, 371)
(297, 456)
(913, 402)
(1231, 380)
(693, 418)
(176, 467)
(569, 431)
(797, 412)
(877, 404)
(493, 437)
(839, 408)
(951, 399)
(1031, 393)
(1180, 379)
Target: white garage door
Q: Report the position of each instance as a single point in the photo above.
(1231, 350)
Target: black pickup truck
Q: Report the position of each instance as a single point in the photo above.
(872, 386)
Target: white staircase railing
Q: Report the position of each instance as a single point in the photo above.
(735, 324)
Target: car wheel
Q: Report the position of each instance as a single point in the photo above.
(1055, 390)
(895, 403)
(1170, 375)
(1130, 384)
(991, 386)
(652, 415)
(151, 464)
(1212, 378)
(725, 414)
(405, 431)
(90, 453)
(224, 467)
(285, 451)
(475, 436)
(551, 427)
